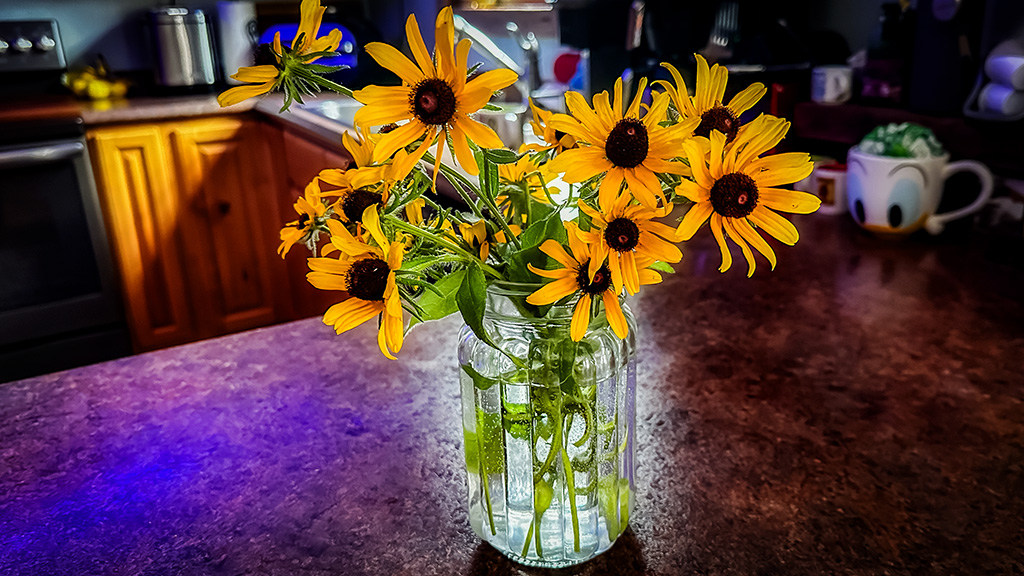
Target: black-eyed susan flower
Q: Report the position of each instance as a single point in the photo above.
(312, 216)
(620, 144)
(707, 102)
(554, 139)
(277, 67)
(735, 188)
(356, 190)
(434, 97)
(574, 278)
(623, 232)
(367, 273)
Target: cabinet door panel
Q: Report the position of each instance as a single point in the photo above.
(305, 159)
(141, 209)
(223, 171)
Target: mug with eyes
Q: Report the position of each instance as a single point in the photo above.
(890, 195)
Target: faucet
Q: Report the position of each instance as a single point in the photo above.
(529, 78)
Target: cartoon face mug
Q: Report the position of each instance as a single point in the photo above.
(893, 195)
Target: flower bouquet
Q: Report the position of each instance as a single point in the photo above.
(539, 261)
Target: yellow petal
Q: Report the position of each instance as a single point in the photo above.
(555, 250)
(716, 230)
(788, 200)
(238, 94)
(613, 312)
(782, 229)
(738, 239)
(580, 318)
(390, 58)
(746, 99)
(481, 134)
(750, 235)
(553, 292)
(398, 138)
(694, 219)
(251, 74)
(419, 49)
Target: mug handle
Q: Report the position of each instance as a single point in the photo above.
(937, 222)
(843, 84)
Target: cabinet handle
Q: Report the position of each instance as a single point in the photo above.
(224, 208)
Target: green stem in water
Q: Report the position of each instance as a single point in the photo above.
(570, 482)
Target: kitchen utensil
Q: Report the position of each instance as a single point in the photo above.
(896, 196)
(182, 49)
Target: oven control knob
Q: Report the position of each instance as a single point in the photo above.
(45, 43)
(22, 44)
(4, 46)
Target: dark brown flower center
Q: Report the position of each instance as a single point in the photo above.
(356, 202)
(734, 195)
(303, 221)
(264, 55)
(602, 279)
(718, 118)
(622, 234)
(627, 143)
(433, 101)
(368, 278)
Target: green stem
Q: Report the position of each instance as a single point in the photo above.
(570, 482)
(333, 86)
(501, 220)
(440, 241)
(484, 477)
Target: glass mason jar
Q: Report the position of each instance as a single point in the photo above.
(549, 436)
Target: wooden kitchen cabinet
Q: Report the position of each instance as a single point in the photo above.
(300, 160)
(190, 206)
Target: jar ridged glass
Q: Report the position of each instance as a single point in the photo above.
(549, 437)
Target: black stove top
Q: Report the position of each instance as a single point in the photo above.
(31, 58)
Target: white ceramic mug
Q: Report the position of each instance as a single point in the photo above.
(831, 84)
(892, 195)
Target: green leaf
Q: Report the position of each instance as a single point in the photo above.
(471, 298)
(436, 306)
(662, 267)
(492, 108)
(480, 381)
(501, 155)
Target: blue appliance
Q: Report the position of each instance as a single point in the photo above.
(346, 50)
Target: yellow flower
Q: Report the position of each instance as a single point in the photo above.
(706, 104)
(311, 210)
(553, 139)
(624, 232)
(355, 191)
(573, 278)
(735, 188)
(414, 211)
(367, 175)
(273, 68)
(475, 235)
(367, 273)
(526, 174)
(622, 146)
(434, 99)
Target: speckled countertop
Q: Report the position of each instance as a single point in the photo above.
(858, 411)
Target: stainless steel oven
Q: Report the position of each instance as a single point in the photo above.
(59, 301)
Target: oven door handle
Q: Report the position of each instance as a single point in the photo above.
(40, 154)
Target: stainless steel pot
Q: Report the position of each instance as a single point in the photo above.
(182, 48)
